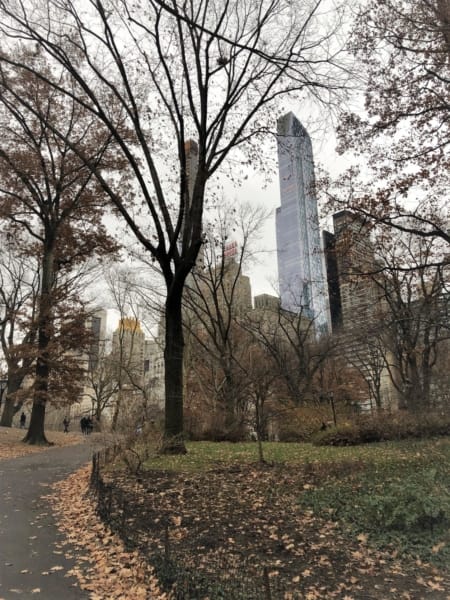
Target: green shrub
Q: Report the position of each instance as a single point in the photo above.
(414, 504)
(399, 506)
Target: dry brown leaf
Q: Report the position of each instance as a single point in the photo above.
(438, 547)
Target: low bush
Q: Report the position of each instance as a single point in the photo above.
(343, 435)
(418, 503)
(300, 424)
(221, 434)
(404, 508)
(384, 427)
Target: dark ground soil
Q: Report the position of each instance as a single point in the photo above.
(240, 533)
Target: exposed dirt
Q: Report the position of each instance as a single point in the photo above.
(234, 521)
(243, 523)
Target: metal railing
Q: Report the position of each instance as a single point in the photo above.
(190, 564)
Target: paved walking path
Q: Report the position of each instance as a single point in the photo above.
(28, 535)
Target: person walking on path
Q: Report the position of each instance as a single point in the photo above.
(23, 420)
(66, 425)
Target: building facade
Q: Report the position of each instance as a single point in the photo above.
(128, 345)
(357, 309)
(301, 275)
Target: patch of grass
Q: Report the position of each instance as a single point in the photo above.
(203, 456)
(401, 499)
(398, 493)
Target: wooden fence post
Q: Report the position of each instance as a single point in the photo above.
(267, 594)
(166, 543)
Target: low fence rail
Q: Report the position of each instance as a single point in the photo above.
(184, 571)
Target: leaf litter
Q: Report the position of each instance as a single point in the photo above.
(252, 510)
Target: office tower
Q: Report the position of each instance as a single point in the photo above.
(332, 270)
(96, 325)
(267, 302)
(300, 258)
(355, 259)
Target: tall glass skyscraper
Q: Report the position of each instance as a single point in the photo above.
(300, 258)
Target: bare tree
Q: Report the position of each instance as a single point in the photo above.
(126, 360)
(394, 291)
(19, 286)
(217, 297)
(49, 193)
(415, 294)
(264, 380)
(101, 381)
(403, 134)
(290, 340)
(205, 70)
(367, 354)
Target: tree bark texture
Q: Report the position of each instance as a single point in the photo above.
(9, 409)
(35, 434)
(173, 356)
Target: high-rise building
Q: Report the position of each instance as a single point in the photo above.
(300, 258)
(354, 255)
(97, 326)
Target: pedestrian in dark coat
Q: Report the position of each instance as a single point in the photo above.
(23, 420)
(66, 425)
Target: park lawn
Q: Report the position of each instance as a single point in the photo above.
(320, 522)
(202, 456)
(395, 494)
(12, 446)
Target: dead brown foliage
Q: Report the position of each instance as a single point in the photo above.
(249, 508)
(11, 445)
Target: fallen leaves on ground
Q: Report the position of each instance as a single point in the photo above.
(103, 567)
(253, 512)
(250, 511)
(11, 445)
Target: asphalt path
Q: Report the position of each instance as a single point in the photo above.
(30, 543)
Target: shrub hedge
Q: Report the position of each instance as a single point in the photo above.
(384, 427)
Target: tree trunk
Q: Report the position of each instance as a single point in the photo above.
(173, 357)
(415, 389)
(117, 408)
(9, 409)
(8, 412)
(35, 434)
(229, 404)
(259, 429)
